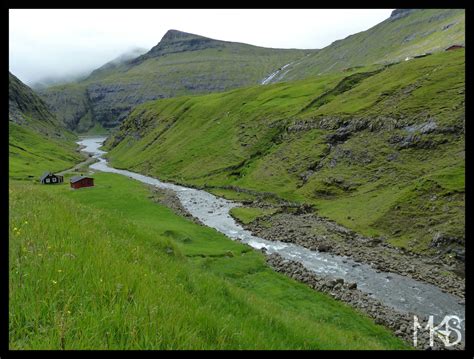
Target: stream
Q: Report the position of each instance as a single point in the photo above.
(269, 78)
(402, 293)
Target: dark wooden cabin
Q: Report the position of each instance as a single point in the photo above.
(81, 181)
(51, 178)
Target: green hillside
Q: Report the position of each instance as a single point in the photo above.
(180, 64)
(38, 141)
(406, 33)
(118, 271)
(380, 151)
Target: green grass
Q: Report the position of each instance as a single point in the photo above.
(106, 268)
(234, 124)
(231, 194)
(247, 215)
(32, 153)
(255, 139)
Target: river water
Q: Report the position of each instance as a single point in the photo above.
(402, 293)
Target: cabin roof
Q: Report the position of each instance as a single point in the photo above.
(78, 178)
(46, 174)
(49, 173)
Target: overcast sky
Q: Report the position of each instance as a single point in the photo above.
(49, 42)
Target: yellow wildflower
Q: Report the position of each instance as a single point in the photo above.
(54, 282)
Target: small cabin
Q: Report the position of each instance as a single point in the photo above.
(454, 47)
(81, 181)
(51, 178)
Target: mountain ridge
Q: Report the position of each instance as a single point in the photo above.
(186, 64)
(180, 64)
(406, 33)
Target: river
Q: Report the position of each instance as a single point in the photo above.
(402, 293)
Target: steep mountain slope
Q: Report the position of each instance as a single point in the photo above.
(180, 64)
(27, 109)
(121, 60)
(37, 139)
(407, 33)
(379, 151)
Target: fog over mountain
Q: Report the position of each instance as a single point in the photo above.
(50, 45)
(59, 79)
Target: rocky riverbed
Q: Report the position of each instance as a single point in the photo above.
(401, 323)
(169, 199)
(318, 233)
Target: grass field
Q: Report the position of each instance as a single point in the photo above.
(32, 153)
(106, 268)
(250, 214)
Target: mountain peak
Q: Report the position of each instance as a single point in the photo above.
(172, 35)
(175, 41)
(399, 13)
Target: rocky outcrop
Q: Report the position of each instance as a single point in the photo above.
(400, 13)
(70, 104)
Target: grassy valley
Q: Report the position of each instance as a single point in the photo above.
(377, 151)
(357, 149)
(118, 271)
(115, 270)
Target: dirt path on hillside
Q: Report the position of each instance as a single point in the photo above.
(76, 168)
